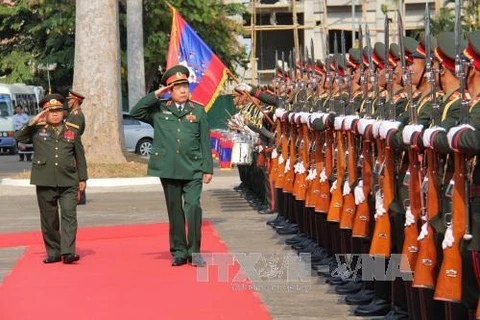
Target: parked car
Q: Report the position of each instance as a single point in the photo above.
(138, 135)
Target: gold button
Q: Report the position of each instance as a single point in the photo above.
(44, 138)
(156, 153)
(179, 120)
(166, 118)
(178, 130)
(178, 151)
(56, 164)
(56, 156)
(56, 148)
(38, 161)
(178, 140)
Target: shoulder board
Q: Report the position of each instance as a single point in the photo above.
(416, 94)
(168, 103)
(196, 102)
(357, 93)
(75, 112)
(474, 102)
(73, 125)
(454, 96)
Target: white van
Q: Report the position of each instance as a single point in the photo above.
(12, 95)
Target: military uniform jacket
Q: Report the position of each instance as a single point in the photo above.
(181, 144)
(59, 161)
(76, 119)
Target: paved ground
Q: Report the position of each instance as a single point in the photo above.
(241, 228)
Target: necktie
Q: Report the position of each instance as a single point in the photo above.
(179, 107)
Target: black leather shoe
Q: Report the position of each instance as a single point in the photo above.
(349, 287)
(179, 262)
(288, 230)
(397, 313)
(268, 211)
(376, 308)
(70, 258)
(198, 261)
(52, 259)
(364, 296)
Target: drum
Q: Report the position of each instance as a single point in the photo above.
(241, 153)
(225, 157)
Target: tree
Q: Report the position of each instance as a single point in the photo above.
(97, 75)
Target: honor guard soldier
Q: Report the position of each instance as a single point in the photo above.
(59, 170)
(181, 158)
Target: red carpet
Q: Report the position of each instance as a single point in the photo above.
(124, 273)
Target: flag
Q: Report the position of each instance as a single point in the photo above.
(207, 72)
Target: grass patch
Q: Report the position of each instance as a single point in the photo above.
(135, 166)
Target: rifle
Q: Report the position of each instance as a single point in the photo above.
(361, 223)
(449, 282)
(427, 254)
(413, 177)
(336, 203)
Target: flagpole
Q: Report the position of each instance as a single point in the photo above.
(251, 98)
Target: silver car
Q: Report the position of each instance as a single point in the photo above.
(138, 135)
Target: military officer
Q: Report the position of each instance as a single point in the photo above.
(59, 170)
(76, 119)
(181, 157)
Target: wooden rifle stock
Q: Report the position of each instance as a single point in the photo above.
(303, 152)
(361, 223)
(323, 200)
(349, 207)
(280, 179)
(382, 239)
(410, 244)
(449, 282)
(336, 202)
(273, 172)
(427, 254)
(289, 182)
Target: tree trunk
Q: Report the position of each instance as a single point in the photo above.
(135, 60)
(97, 76)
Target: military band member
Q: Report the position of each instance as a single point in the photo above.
(59, 170)
(181, 157)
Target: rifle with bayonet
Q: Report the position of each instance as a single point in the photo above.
(413, 177)
(425, 268)
(449, 282)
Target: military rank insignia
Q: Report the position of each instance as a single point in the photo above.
(69, 135)
(191, 117)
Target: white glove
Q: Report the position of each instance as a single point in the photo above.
(346, 188)
(312, 174)
(281, 159)
(376, 128)
(427, 135)
(279, 113)
(300, 168)
(424, 230)
(359, 194)
(338, 123)
(287, 166)
(408, 132)
(298, 116)
(334, 186)
(304, 117)
(379, 209)
(451, 133)
(449, 240)
(323, 176)
(386, 126)
(243, 87)
(291, 116)
(363, 124)
(348, 121)
(409, 218)
(274, 154)
(260, 148)
(325, 117)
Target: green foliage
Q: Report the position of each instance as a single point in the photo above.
(37, 33)
(445, 21)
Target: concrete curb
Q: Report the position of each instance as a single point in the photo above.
(116, 182)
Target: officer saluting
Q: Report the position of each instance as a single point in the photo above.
(181, 157)
(59, 170)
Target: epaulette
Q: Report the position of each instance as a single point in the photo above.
(169, 102)
(200, 104)
(357, 93)
(69, 124)
(75, 112)
(474, 102)
(398, 96)
(416, 94)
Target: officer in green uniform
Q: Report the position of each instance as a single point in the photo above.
(59, 170)
(181, 157)
(76, 119)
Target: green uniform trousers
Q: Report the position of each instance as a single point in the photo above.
(183, 200)
(59, 237)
